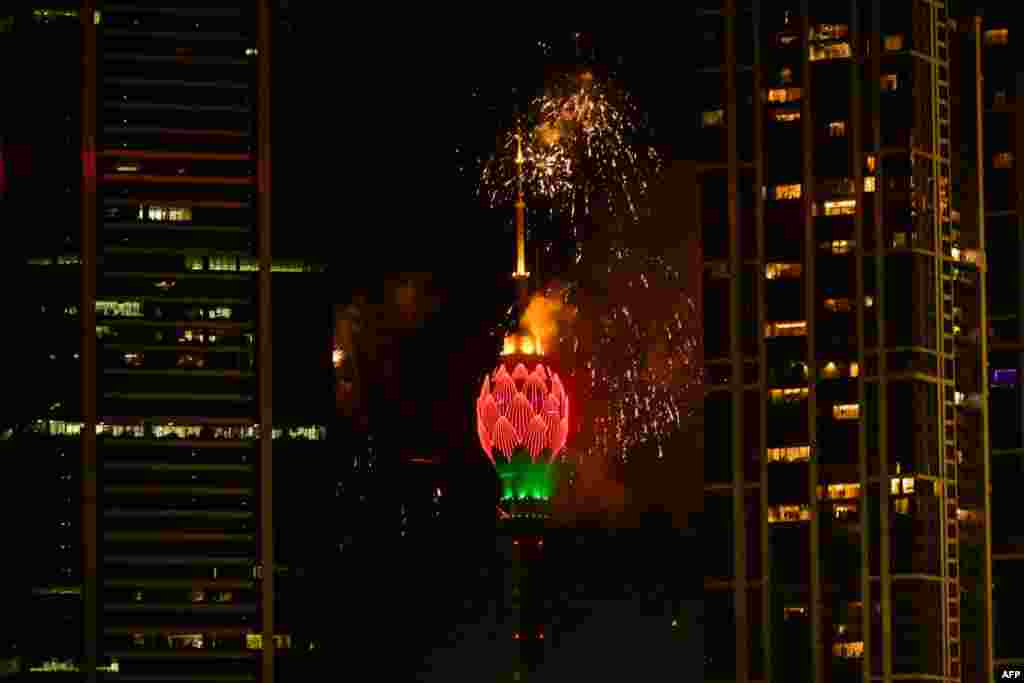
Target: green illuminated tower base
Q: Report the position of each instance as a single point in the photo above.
(528, 486)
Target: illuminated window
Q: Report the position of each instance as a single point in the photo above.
(788, 513)
(829, 31)
(838, 305)
(839, 247)
(837, 129)
(889, 82)
(854, 650)
(119, 309)
(1003, 160)
(854, 369)
(968, 515)
(902, 506)
(780, 95)
(841, 491)
(794, 611)
(788, 395)
(786, 75)
(168, 214)
(846, 411)
(194, 262)
(830, 51)
(840, 207)
(133, 359)
(197, 596)
(220, 312)
(908, 485)
(224, 596)
(712, 118)
(872, 163)
(248, 264)
(787, 191)
(783, 271)
(786, 115)
(869, 183)
(786, 329)
(786, 39)
(844, 510)
(223, 263)
(997, 36)
(893, 43)
(185, 641)
(789, 454)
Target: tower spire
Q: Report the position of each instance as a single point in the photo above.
(521, 275)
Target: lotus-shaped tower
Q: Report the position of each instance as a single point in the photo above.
(522, 419)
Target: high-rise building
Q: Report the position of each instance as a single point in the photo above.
(163, 536)
(845, 330)
(1004, 242)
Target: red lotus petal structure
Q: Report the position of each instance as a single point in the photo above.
(526, 408)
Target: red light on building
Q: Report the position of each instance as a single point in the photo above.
(515, 636)
(526, 408)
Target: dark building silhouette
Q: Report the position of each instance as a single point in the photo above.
(162, 537)
(845, 341)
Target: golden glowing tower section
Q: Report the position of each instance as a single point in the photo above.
(520, 272)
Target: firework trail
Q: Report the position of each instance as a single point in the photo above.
(580, 145)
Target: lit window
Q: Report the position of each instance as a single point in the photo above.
(248, 264)
(185, 641)
(838, 305)
(712, 118)
(780, 95)
(844, 510)
(120, 309)
(1004, 376)
(1003, 160)
(786, 329)
(869, 301)
(839, 247)
(869, 183)
(794, 611)
(830, 51)
(893, 43)
(786, 39)
(846, 411)
(854, 369)
(837, 129)
(786, 75)
(223, 263)
(788, 513)
(194, 262)
(902, 506)
(997, 36)
(854, 650)
(889, 82)
(169, 214)
(788, 395)
(786, 115)
(133, 359)
(829, 31)
(872, 163)
(219, 312)
(840, 207)
(781, 271)
(787, 191)
(789, 454)
(842, 491)
(251, 52)
(197, 596)
(908, 485)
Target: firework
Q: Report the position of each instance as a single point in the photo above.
(580, 143)
(637, 354)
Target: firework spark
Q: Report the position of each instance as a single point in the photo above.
(580, 143)
(636, 349)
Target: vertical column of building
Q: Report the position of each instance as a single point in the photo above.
(986, 578)
(736, 348)
(764, 546)
(946, 291)
(263, 321)
(87, 316)
(857, 153)
(884, 645)
(809, 184)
